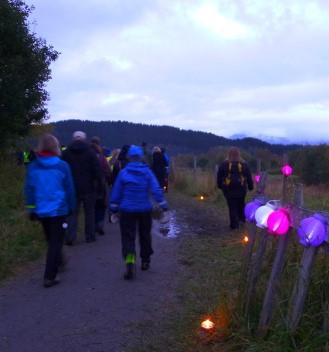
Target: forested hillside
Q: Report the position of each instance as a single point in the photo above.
(117, 133)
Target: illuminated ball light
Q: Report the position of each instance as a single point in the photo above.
(313, 231)
(287, 170)
(262, 214)
(250, 210)
(279, 222)
(258, 178)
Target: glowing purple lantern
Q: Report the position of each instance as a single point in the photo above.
(258, 178)
(287, 170)
(279, 222)
(251, 208)
(313, 231)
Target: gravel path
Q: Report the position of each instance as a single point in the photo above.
(93, 309)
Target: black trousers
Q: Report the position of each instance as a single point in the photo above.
(236, 210)
(54, 233)
(88, 201)
(129, 224)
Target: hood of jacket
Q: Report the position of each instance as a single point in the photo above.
(137, 167)
(47, 161)
(78, 147)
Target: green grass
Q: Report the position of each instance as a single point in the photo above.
(20, 239)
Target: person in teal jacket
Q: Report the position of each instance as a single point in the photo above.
(50, 198)
(131, 195)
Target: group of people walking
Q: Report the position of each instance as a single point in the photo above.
(58, 183)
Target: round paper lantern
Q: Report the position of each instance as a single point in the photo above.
(287, 170)
(262, 214)
(312, 231)
(279, 222)
(250, 210)
(258, 178)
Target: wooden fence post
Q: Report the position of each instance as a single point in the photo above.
(245, 269)
(269, 302)
(255, 271)
(301, 288)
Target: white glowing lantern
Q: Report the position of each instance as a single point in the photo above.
(262, 213)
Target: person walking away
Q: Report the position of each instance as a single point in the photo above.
(87, 177)
(131, 196)
(101, 192)
(167, 159)
(120, 163)
(159, 166)
(148, 158)
(50, 198)
(234, 179)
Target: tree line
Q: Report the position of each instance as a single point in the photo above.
(118, 133)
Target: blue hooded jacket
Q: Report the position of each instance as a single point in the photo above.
(49, 188)
(133, 187)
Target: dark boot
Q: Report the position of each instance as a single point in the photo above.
(49, 283)
(130, 272)
(145, 266)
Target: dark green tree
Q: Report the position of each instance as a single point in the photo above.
(24, 70)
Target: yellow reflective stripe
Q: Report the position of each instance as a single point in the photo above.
(30, 206)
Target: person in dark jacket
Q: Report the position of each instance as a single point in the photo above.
(50, 198)
(234, 178)
(131, 196)
(101, 192)
(120, 163)
(159, 166)
(87, 177)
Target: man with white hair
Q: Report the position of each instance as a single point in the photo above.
(87, 177)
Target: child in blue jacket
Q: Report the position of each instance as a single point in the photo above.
(50, 198)
(131, 196)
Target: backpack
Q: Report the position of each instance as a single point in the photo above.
(235, 175)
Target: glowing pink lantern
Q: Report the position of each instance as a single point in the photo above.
(313, 231)
(287, 170)
(279, 222)
(258, 178)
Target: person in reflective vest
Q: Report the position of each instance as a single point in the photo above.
(234, 179)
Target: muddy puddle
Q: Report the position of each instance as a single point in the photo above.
(168, 227)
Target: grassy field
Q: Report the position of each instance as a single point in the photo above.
(20, 239)
(209, 283)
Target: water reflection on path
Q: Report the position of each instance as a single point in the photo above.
(168, 226)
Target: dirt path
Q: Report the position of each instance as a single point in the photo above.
(93, 309)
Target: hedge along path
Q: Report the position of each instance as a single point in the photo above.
(299, 294)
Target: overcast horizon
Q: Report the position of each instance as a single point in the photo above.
(228, 67)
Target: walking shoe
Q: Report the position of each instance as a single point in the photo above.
(90, 240)
(145, 266)
(130, 272)
(69, 243)
(49, 283)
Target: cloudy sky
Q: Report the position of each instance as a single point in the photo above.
(254, 67)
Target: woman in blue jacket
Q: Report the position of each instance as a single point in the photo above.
(50, 198)
(131, 196)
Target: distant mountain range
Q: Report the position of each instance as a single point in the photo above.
(117, 133)
(264, 138)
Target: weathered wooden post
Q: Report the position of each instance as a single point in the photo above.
(255, 271)
(270, 299)
(325, 304)
(301, 288)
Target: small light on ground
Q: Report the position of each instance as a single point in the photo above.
(245, 239)
(207, 324)
(201, 197)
